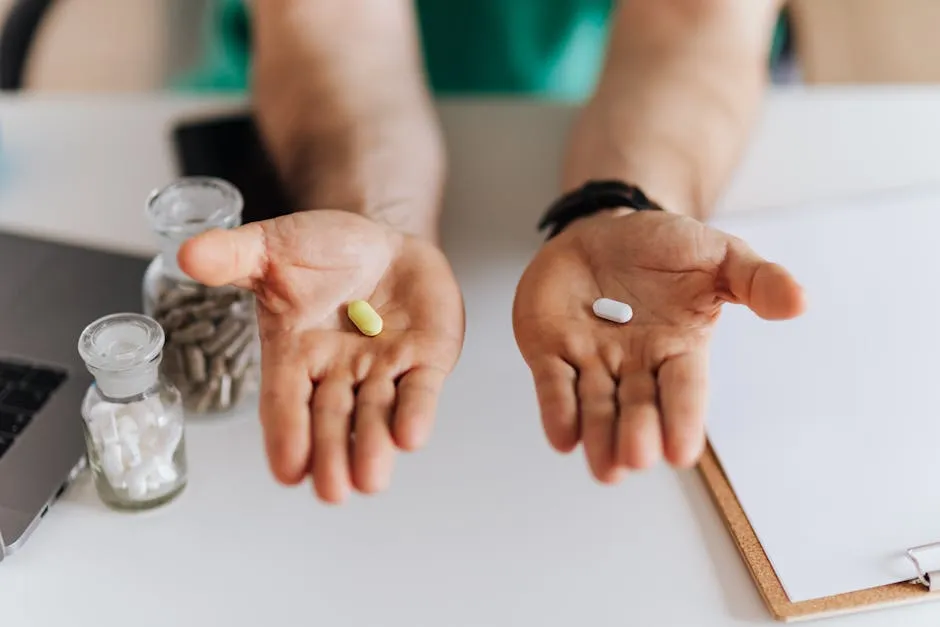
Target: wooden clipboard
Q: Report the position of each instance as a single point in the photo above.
(766, 579)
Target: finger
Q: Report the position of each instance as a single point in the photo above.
(683, 386)
(418, 391)
(555, 381)
(374, 448)
(220, 256)
(332, 409)
(597, 402)
(766, 288)
(639, 436)
(284, 407)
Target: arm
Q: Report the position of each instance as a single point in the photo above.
(341, 100)
(678, 94)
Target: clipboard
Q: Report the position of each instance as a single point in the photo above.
(770, 449)
(923, 586)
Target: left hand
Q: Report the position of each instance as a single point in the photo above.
(335, 404)
(635, 391)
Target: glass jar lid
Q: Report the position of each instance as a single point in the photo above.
(121, 342)
(193, 204)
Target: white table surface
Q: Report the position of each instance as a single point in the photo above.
(487, 526)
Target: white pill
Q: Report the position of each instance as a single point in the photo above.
(613, 310)
(137, 479)
(94, 429)
(132, 456)
(140, 413)
(154, 405)
(153, 482)
(170, 440)
(112, 465)
(167, 472)
(102, 411)
(150, 441)
(137, 488)
(127, 428)
(104, 430)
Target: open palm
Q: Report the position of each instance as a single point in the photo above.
(633, 392)
(335, 403)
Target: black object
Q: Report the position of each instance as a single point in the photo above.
(231, 148)
(24, 389)
(16, 40)
(591, 198)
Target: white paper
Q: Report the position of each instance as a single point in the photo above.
(828, 426)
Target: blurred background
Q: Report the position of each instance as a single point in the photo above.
(145, 45)
(102, 45)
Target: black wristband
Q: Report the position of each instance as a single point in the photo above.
(594, 197)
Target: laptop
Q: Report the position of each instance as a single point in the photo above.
(49, 292)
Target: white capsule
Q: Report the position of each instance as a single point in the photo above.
(137, 479)
(109, 433)
(167, 472)
(170, 440)
(128, 429)
(150, 441)
(153, 482)
(154, 405)
(113, 465)
(132, 457)
(103, 428)
(140, 413)
(613, 310)
(137, 487)
(102, 411)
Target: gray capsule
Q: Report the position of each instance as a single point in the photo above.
(238, 387)
(226, 333)
(195, 332)
(182, 384)
(173, 320)
(204, 397)
(202, 310)
(179, 295)
(219, 313)
(241, 386)
(172, 360)
(239, 363)
(195, 363)
(242, 340)
(226, 295)
(223, 399)
(243, 309)
(217, 367)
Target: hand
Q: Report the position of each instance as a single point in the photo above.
(335, 403)
(635, 391)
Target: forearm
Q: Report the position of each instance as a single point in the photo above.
(339, 93)
(678, 94)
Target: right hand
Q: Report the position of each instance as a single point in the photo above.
(334, 403)
(631, 393)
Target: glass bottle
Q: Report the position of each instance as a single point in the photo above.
(212, 348)
(133, 417)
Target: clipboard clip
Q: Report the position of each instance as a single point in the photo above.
(929, 579)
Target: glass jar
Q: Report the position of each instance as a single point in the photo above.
(212, 351)
(133, 417)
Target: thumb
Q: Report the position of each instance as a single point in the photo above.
(766, 288)
(222, 257)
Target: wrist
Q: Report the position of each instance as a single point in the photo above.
(596, 199)
(391, 171)
(662, 169)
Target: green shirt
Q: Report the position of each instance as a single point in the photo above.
(545, 48)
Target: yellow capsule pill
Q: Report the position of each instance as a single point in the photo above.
(366, 319)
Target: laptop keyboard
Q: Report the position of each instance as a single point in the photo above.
(24, 389)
